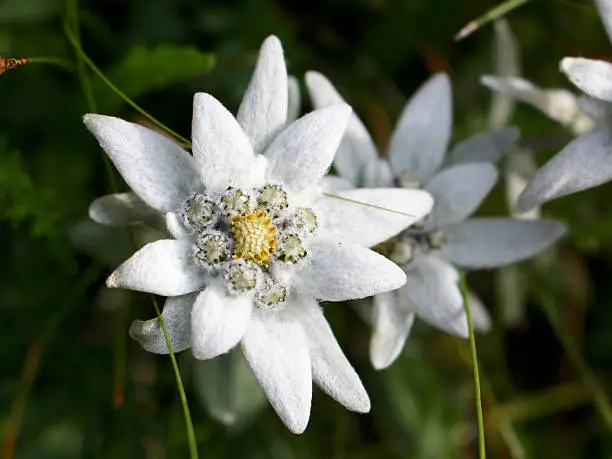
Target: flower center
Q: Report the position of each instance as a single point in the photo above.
(254, 236)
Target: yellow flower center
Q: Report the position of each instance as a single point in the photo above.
(255, 237)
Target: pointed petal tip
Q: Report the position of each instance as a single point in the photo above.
(297, 426)
(462, 331)
(342, 110)
(136, 330)
(202, 98)
(272, 42)
(314, 78)
(88, 118)
(441, 81)
(526, 202)
(363, 405)
(486, 79)
(92, 120)
(399, 278)
(379, 363)
(566, 63)
(111, 281)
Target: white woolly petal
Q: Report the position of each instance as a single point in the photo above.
(330, 368)
(218, 322)
(294, 99)
(494, 242)
(487, 146)
(160, 172)
(357, 149)
(368, 226)
(263, 111)
(432, 285)
(339, 271)
(481, 319)
(584, 163)
(378, 174)
(276, 348)
(392, 323)
(301, 155)
(122, 209)
(506, 61)
(593, 77)
(458, 191)
(163, 267)
(558, 104)
(520, 169)
(594, 108)
(176, 227)
(334, 184)
(605, 12)
(221, 148)
(177, 320)
(423, 131)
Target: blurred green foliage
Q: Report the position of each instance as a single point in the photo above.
(96, 394)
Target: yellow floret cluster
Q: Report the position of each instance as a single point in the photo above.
(254, 236)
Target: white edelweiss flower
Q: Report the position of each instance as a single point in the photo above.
(229, 393)
(256, 242)
(430, 251)
(584, 163)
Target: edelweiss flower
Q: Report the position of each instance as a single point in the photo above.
(256, 243)
(585, 162)
(429, 251)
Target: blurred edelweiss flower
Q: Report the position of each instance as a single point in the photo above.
(585, 162)
(256, 243)
(429, 251)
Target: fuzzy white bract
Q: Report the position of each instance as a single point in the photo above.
(585, 162)
(430, 251)
(255, 242)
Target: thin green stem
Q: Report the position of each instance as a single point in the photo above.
(599, 397)
(59, 62)
(193, 447)
(543, 403)
(361, 203)
(504, 424)
(74, 42)
(481, 434)
(491, 15)
(73, 18)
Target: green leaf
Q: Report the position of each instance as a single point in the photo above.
(28, 10)
(144, 70)
(21, 200)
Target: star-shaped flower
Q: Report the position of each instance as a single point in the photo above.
(585, 162)
(256, 244)
(430, 251)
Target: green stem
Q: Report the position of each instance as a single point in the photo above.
(481, 437)
(193, 446)
(543, 403)
(599, 397)
(361, 203)
(73, 18)
(489, 16)
(63, 63)
(74, 42)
